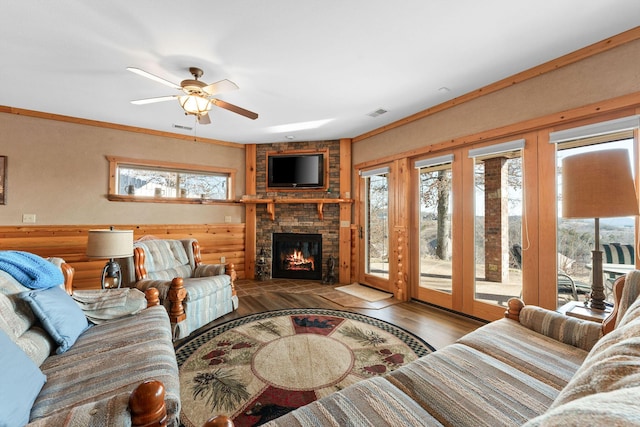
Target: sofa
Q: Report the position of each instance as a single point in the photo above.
(59, 369)
(193, 293)
(535, 367)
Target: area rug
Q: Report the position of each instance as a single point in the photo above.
(364, 292)
(261, 366)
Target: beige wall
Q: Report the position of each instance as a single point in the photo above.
(604, 76)
(58, 171)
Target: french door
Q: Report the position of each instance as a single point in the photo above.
(377, 216)
(434, 230)
(467, 228)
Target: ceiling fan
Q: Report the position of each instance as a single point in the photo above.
(197, 97)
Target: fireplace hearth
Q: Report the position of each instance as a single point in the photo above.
(297, 256)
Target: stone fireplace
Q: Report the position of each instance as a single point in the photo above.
(299, 218)
(297, 256)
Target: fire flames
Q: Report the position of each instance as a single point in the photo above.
(297, 261)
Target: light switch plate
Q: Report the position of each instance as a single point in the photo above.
(29, 218)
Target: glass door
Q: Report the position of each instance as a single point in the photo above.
(499, 245)
(434, 229)
(375, 231)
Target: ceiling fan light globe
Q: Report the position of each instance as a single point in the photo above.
(194, 104)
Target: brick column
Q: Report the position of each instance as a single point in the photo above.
(496, 220)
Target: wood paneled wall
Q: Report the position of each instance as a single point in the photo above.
(70, 242)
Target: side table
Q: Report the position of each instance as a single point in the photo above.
(579, 310)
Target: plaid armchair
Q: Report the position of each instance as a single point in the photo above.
(193, 293)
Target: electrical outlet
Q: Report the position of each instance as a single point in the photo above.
(29, 218)
(227, 218)
(222, 259)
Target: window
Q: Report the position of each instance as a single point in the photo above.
(142, 180)
(576, 237)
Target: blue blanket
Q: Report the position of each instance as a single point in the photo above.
(30, 270)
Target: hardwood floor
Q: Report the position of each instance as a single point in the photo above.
(437, 327)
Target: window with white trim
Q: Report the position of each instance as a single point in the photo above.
(576, 237)
(143, 179)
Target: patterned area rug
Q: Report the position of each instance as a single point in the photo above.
(261, 366)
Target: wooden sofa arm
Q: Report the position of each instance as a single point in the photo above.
(152, 296)
(177, 294)
(514, 306)
(68, 272)
(147, 406)
(610, 322)
(231, 271)
(218, 421)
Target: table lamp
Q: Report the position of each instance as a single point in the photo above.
(110, 244)
(598, 184)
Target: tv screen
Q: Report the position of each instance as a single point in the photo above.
(296, 170)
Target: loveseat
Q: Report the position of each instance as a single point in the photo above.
(535, 367)
(119, 372)
(193, 293)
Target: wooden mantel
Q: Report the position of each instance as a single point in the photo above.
(271, 203)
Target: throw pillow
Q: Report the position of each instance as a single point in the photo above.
(20, 385)
(632, 313)
(629, 295)
(613, 364)
(59, 314)
(615, 408)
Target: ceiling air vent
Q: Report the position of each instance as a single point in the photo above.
(182, 127)
(377, 113)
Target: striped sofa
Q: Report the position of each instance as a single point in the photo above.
(535, 368)
(90, 384)
(193, 293)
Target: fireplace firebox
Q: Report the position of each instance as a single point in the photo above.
(297, 256)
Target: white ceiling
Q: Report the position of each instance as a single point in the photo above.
(312, 69)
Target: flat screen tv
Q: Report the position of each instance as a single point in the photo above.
(295, 170)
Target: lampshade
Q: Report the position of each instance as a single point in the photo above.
(110, 244)
(195, 104)
(598, 184)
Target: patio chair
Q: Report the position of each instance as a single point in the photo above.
(615, 253)
(566, 284)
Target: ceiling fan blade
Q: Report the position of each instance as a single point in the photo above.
(152, 100)
(153, 77)
(220, 87)
(238, 110)
(204, 119)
